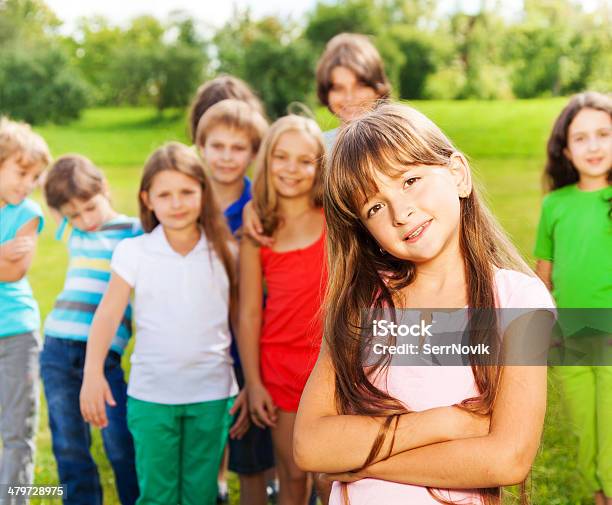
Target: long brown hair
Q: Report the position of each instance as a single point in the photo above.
(180, 158)
(265, 198)
(362, 278)
(559, 170)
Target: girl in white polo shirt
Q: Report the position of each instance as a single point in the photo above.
(182, 384)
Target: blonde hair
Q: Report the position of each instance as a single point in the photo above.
(357, 53)
(360, 276)
(265, 197)
(17, 138)
(177, 157)
(234, 114)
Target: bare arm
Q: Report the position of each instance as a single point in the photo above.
(325, 441)
(95, 390)
(503, 456)
(263, 411)
(16, 255)
(251, 226)
(544, 271)
(240, 407)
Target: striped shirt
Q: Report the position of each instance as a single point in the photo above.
(87, 278)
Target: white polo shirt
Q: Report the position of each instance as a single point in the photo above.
(181, 308)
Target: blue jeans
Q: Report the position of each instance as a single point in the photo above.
(61, 367)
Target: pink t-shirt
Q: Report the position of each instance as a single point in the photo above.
(425, 387)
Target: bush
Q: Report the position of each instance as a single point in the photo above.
(39, 86)
(288, 74)
(446, 83)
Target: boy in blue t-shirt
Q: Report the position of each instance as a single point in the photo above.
(23, 157)
(228, 136)
(77, 195)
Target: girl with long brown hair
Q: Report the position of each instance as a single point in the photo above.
(407, 230)
(279, 343)
(573, 248)
(182, 384)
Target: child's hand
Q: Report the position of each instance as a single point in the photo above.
(17, 248)
(261, 406)
(242, 422)
(251, 226)
(95, 393)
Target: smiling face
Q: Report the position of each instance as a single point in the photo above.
(293, 164)
(88, 215)
(415, 214)
(228, 153)
(18, 180)
(175, 199)
(349, 97)
(589, 144)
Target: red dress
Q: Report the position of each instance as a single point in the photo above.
(291, 332)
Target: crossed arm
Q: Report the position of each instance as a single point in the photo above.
(442, 447)
(16, 255)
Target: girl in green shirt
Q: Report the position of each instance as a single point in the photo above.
(573, 249)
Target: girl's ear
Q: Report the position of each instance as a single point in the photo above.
(460, 171)
(144, 195)
(567, 154)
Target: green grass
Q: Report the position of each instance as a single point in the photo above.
(505, 142)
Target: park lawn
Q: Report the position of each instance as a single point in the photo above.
(505, 142)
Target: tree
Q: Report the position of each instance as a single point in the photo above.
(419, 52)
(355, 16)
(25, 23)
(272, 57)
(150, 62)
(178, 72)
(557, 48)
(39, 86)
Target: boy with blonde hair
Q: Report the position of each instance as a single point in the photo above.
(228, 137)
(23, 157)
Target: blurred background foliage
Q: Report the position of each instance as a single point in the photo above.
(551, 48)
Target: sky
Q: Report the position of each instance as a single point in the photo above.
(214, 13)
(210, 12)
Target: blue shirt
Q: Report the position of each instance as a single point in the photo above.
(18, 309)
(233, 213)
(87, 279)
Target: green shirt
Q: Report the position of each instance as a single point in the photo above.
(575, 234)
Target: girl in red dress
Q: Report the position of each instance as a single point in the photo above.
(279, 343)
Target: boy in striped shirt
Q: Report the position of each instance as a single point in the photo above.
(77, 195)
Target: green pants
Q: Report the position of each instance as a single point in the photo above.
(587, 393)
(178, 450)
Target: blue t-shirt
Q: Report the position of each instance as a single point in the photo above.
(233, 214)
(18, 310)
(87, 279)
